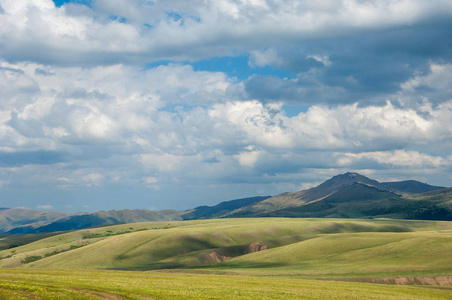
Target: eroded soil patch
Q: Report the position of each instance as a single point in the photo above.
(414, 280)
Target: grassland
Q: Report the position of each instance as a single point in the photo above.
(95, 284)
(295, 246)
(220, 259)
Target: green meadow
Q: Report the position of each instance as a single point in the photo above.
(96, 284)
(264, 258)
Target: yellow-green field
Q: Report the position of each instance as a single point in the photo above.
(92, 284)
(220, 259)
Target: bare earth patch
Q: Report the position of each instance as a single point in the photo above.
(100, 294)
(416, 280)
(255, 247)
(215, 257)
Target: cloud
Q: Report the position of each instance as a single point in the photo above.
(141, 31)
(184, 96)
(343, 127)
(45, 207)
(397, 158)
(248, 158)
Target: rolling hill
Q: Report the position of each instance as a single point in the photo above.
(308, 247)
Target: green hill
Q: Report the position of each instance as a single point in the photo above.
(292, 246)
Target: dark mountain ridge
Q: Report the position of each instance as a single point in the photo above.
(100, 218)
(348, 195)
(410, 187)
(203, 212)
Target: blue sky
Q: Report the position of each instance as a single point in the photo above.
(173, 104)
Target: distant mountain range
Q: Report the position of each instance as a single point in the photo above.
(348, 195)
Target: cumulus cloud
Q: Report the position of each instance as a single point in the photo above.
(71, 122)
(130, 93)
(140, 31)
(397, 158)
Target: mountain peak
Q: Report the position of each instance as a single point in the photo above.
(342, 180)
(350, 174)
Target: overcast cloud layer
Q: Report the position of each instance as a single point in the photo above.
(173, 104)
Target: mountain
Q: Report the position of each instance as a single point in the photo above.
(100, 218)
(203, 212)
(11, 218)
(287, 200)
(348, 195)
(362, 201)
(351, 201)
(352, 195)
(29, 221)
(410, 187)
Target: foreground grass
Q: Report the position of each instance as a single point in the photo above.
(300, 256)
(96, 284)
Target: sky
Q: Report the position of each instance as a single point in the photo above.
(140, 104)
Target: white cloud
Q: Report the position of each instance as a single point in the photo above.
(396, 158)
(144, 32)
(265, 58)
(433, 86)
(161, 162)
(150, 180)
(46, 207)
(82, 106)
(248, 158)
(343, 127)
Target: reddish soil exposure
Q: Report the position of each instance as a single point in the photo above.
(214, 257)
(255, 247)
(421, 280)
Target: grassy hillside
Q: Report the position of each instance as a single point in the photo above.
(89, 284)
(357, 254)
(13, 241)
(442, 197)
(292, 246)
(263, 258)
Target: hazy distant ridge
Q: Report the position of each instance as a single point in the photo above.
(348, 195)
